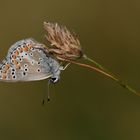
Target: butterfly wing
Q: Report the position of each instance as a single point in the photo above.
(25, 62)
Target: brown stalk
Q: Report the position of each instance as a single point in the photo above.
(117, 80)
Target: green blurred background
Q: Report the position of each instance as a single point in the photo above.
(84, 105)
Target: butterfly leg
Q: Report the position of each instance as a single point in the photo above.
(64, 66)
(48, 93)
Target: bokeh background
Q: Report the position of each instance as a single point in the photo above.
(85, 105)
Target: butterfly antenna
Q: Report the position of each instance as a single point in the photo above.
(63, 66)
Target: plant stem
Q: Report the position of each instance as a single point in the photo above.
(120, 82)
(98, 65)
(94, 62)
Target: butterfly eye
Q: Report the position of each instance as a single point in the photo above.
(54, 79)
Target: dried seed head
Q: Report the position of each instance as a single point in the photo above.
(65, 45)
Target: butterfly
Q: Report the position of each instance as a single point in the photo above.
(27, 60)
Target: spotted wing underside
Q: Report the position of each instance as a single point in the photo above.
(24, 62)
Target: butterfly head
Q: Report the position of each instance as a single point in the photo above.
(56, 70)
(54, 79)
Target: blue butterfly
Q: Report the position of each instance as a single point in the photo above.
(28, 60)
